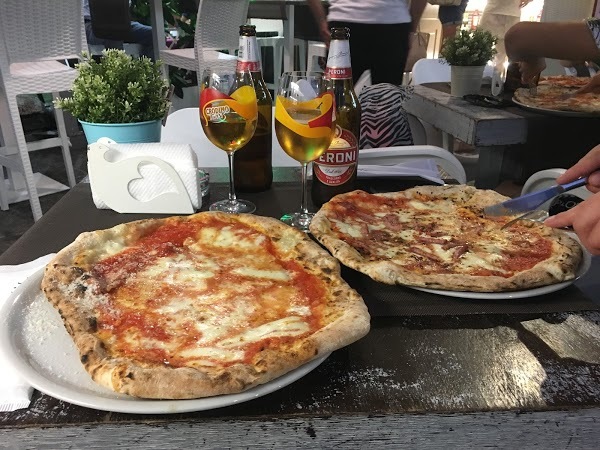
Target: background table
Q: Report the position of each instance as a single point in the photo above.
(423, 377)
(512, 142)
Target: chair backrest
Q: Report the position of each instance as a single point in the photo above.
(33, 30)
(428, 70)
(217, 28)
(396, 155)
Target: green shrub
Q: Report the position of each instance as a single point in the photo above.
(469, 48)
(118, 89)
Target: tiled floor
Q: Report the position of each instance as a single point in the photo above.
(18, 218)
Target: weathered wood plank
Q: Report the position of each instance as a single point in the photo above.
(471, 124)
(513, 429)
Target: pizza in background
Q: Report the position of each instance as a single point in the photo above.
(438, 237)
(557, 93)
(209, 304)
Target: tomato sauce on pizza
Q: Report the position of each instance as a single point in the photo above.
(438, 236)
(198, 298)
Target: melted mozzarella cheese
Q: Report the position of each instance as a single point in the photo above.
(352, 230)
(219, 308)
(287, 326)
(256, 273)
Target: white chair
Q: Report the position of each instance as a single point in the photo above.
(261, 15)
(547, 178)
(183, 126)
(429, 70)
(217, 29)
(315, 51)
(395, 155)
(36, 35)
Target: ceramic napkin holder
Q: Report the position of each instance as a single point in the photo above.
(157, 178)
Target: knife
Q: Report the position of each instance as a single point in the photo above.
(530, 201)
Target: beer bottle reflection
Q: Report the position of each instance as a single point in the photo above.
(252, 165)
(334, 172)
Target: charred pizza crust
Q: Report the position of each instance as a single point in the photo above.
(72, 287)
(391, 258)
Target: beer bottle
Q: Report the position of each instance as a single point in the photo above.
(252, 164)
(334, 172)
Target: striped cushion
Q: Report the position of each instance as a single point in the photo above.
(384, 122)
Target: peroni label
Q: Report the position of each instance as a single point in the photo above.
(337, 165)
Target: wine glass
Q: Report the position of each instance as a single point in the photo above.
(228, 113)
(304, 125)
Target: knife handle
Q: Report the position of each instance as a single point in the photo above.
(574, 184)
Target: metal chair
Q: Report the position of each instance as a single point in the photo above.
(54, 32)
(217, 29)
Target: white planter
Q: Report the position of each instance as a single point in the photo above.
(465, 80)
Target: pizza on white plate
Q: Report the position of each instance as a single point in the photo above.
(209, 304)
(438, 237)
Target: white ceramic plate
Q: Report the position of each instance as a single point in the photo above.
(556, 112)
(583, 268)
(34, 340)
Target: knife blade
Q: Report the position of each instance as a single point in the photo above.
(530, 201)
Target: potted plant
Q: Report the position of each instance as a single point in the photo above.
(119, 97)
(468, 53)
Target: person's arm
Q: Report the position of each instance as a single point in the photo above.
(588, 166)
(416, 11)
(531, 42)
(318, 11)
(585, 217)
(585, 220)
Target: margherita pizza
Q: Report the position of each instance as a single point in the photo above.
(558, 94)
(209, 304)
(438, 237)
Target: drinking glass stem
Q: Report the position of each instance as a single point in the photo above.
(232, 197)
(304, 198)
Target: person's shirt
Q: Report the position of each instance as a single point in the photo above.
(503, 7)
(369, 11)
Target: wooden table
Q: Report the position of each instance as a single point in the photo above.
(512, 142)
(423, 378)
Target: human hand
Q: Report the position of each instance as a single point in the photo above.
(325, 32)
(585, 220)
(588, 166)
(592, 86)
(531, 69)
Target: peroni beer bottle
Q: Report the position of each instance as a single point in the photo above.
(252, 164)
(334, 172)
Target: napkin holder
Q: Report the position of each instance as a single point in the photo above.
(144, 178)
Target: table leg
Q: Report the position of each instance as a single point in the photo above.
(157, 21)
(489, 166)
(288, 39)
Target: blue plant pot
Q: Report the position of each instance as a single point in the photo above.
(123, 133)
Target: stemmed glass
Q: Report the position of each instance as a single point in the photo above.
(304, 125)
(228, 113)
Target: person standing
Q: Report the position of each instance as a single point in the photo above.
(498, 17)
(140, 34)
(451, 17)
(379, 33)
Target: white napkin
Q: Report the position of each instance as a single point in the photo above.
(15, 393)
(154, 180)
(425, 168)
